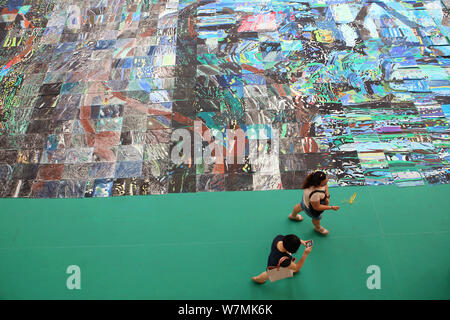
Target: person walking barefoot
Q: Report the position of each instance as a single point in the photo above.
(315, 201)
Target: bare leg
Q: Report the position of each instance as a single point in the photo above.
(316, 224)
(297, 209)
(262, 278)
(318, 227)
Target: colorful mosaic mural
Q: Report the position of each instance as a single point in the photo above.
(92, 92)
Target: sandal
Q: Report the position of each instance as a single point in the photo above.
(322, 231)
(298, 218)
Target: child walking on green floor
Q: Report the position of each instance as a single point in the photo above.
(315, 201)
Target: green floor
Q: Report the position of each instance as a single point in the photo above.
(208, 245)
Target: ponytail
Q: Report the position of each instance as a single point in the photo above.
(314, 179)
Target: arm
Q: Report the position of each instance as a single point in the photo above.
(327, 196)
(297, 266)
(320, 207)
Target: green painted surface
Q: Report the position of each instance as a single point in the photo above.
(208, 245)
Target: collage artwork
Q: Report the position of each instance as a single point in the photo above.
(92, 91)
